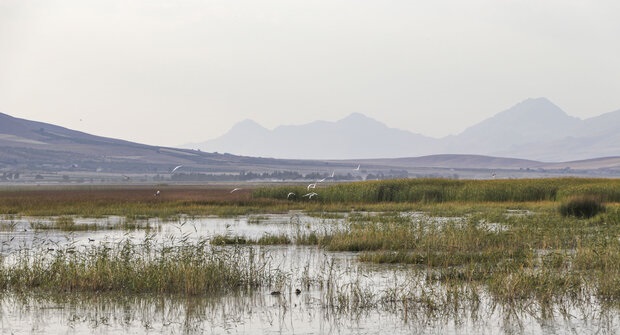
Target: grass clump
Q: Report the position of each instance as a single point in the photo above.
(228, 240)
(267, 239)
(274, 239)
(582, 206)
(128, 267)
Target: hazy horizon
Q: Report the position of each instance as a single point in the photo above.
(166, 73)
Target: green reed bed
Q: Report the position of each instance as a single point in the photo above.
(444, 190)
(68, 224)
(146, 267)
(267, 239)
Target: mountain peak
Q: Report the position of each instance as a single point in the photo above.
(354, 116)
(536, 108)
(530, 121)
(359, 120)
(248, 123)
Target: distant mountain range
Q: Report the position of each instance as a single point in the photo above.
(37, 151)
(534, 129)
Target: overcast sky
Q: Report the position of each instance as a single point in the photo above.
(172, 72)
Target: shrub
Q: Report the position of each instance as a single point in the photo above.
(582, 207)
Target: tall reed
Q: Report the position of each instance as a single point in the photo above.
(444, 190)
(147, 267)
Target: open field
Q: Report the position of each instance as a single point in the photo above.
(454, 244)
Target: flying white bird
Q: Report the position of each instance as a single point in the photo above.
(322, 180)
(176, 168)
(235, 190)
(157, 193)
(333, 172)
(289, 194)
(357, 168)
(311, 186)
(310, 195)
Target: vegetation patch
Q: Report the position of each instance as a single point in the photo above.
(505, 238)
(180, 268)
(585, 206)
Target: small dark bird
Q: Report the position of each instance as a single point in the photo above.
(297, 291)
(91, 239)
(276, 293)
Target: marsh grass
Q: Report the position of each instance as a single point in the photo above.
(139, 202)
(542, 257)
(517, 251)
(443, 190)
(67, 223)
(274, 239)
(313, 238)
(517, 255)
(63, 223)
(266, 239)
(229, 240)
(502, 237)
(8, 224)
(177, 268)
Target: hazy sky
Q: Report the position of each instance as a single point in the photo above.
(172, 72)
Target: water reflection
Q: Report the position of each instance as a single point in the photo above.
(262, 313)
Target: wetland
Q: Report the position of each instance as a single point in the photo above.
(414, 256)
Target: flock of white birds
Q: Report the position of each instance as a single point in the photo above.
(290, 195)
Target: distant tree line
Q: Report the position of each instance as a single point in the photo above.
(280, 175)
(241, 176)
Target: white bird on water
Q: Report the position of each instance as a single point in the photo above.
(176, 168)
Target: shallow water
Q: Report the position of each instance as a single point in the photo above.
(262, 313)
(316, 310)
